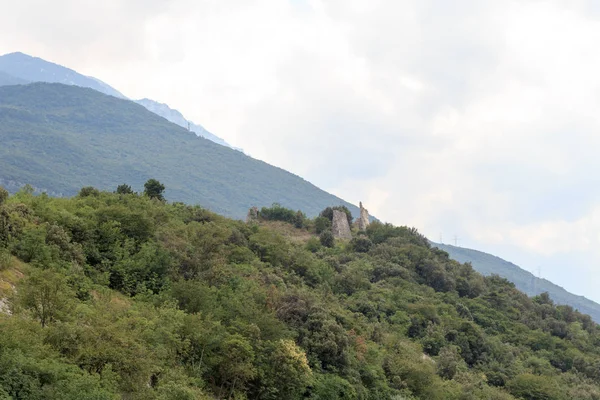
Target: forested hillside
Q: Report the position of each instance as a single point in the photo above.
(59, 138)
(525, 281)
(123, 295)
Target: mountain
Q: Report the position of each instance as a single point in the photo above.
(19, 68)
(59, 138)
(34, 69)
(176, 117)
(7, 79)
(525, 281)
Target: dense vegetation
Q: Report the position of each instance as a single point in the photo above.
(119, 295)
(59, 138)
(525, 281)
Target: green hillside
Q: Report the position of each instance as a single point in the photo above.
(59, 138)
(121, 296)
(525, 281)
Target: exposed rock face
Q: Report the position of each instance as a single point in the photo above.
(340, 226)
(252, 214)
(363, 219)
(4, 307)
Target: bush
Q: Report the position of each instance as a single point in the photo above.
(89, 191)
(3, 195)
(124, 189)
(327, 238)
(278, 213)
(5, 259)
(322, 224)
(328, 213)
(535, 387)
(361, 244)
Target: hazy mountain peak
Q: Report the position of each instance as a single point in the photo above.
(20, 68)
(35, 69)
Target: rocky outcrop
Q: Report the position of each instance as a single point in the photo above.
(340, 226)
(363, 219)
(252, 214)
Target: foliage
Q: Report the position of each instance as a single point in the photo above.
(278, 213)
(326, 238)
(121, 296)
(525, 281)
(154, 189)
(77, 135)
(328, 213)
(125, 189)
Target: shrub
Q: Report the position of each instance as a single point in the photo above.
(327, 238)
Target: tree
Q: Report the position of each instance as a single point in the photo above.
(327, 238)
(124, 189)
(3, 195)
(46, 294)
(154, 189)
(89, 191)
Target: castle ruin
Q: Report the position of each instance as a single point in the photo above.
(363, 219)
(339, 225)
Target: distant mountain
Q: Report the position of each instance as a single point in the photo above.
(34, 69)
(176, 117)
(19, 68)
(7, 79)
(525, 281)
(59, 138)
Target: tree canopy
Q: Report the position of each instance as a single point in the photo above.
(105, 296)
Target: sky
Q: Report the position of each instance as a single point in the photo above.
(475, 119)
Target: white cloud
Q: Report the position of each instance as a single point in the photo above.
(471, 118)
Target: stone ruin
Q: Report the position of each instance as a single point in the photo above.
(252, 214)
(340, 226)
(363, 219)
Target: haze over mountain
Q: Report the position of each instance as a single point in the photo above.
(59, 138)
(34, 69)
(176, 117)
(525, 281)
(20, 68)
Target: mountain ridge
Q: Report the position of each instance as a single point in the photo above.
(488, 264)
(21, 68)
(50, 131)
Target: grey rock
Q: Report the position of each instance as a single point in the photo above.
(340, 226)
(252, 215)
(363, 219)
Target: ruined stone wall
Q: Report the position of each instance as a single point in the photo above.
(252, 214)
(340, 226)
(363, 219)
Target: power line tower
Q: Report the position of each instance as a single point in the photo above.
(456, 240)
(441, 238)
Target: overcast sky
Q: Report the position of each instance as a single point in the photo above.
(471, 118)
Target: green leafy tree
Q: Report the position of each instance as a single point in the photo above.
(3, 195)
(46, 294)
(154, 189)
(89, 191)
(535, 387)
(327, 238)
(124, 189)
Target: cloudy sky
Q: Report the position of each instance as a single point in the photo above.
(472, 118)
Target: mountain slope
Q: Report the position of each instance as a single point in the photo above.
(19, 68)
(34, 69)
(176, 117)
(525, 281)
(60, 138)
(7, 79)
